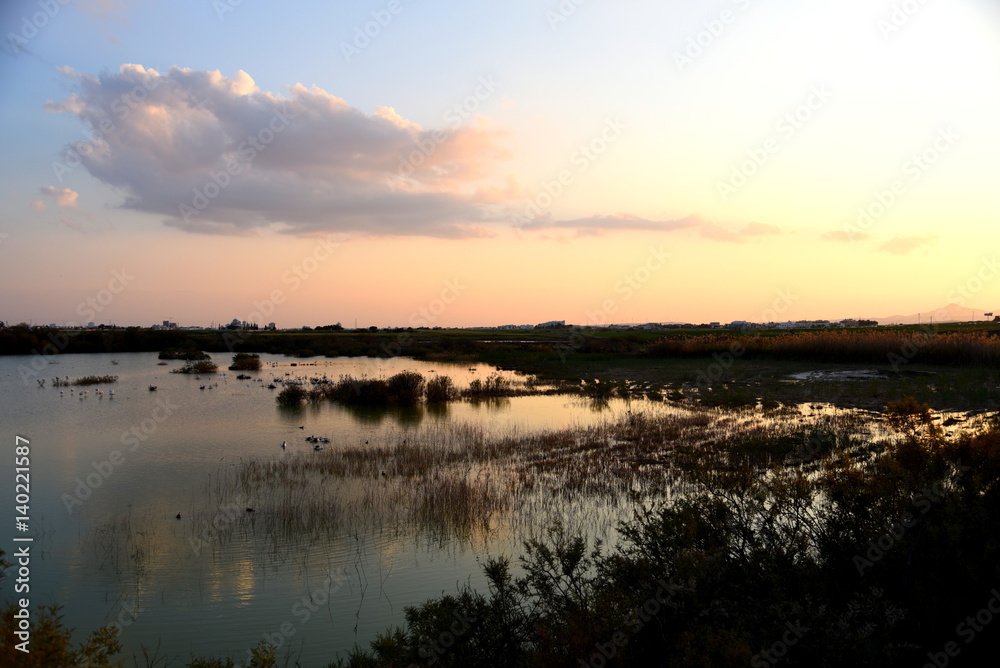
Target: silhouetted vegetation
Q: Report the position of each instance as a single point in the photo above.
(197, 367)
(85, 380)
(495, 385)
(183, 354)
(291, 395)
(441, 389)
(245, 362)
(860, 560)
(878, 346)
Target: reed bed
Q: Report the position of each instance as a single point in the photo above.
(125, 544)
(873, 346)
(458, 482)
(85, 380)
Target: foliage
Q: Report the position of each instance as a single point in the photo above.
(197, 367)
(245, 362)
(85, 380)
(495, 385)
(440, 389)
(50, 642)
(291, 395)
(188, 354)
(862, 563)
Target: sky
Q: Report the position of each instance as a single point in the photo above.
(408, 163)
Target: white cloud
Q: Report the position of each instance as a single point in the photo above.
(305, 162)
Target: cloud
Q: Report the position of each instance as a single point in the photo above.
(717, 232)
(63, 198)
(67, 207)
(843, 236)
(617, 222)
(621, 222)
(903, 245)
(215, 154)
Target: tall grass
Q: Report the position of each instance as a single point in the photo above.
(456, 481)
(867, 346)
(85, 380)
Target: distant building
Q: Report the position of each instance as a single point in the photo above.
(551, 324)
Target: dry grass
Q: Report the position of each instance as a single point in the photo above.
(875, 346)
(458, 482)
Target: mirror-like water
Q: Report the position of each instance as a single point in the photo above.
(110, 473)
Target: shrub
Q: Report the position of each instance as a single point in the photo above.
(189, 354)
(495, 385)
(245, 362)
(200, 366)
(406, 388)
(292, 395)
(440, 389)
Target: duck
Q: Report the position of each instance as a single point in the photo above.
(282, 445)
(178, 515)
(317, 448)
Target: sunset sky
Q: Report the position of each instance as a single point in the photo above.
(482, 163)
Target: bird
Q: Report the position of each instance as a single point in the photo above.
(249, 510)
(282, 444)
(178, 515)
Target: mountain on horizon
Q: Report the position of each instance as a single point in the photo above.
(950, 313)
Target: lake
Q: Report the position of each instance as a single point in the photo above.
(110, 473)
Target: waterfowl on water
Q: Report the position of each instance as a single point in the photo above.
(318, 447)
(178, 515)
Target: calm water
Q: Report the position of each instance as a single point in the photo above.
(197, 592)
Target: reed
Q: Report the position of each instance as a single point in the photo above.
(85, 380)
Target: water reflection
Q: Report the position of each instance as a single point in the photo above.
(405, 501)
